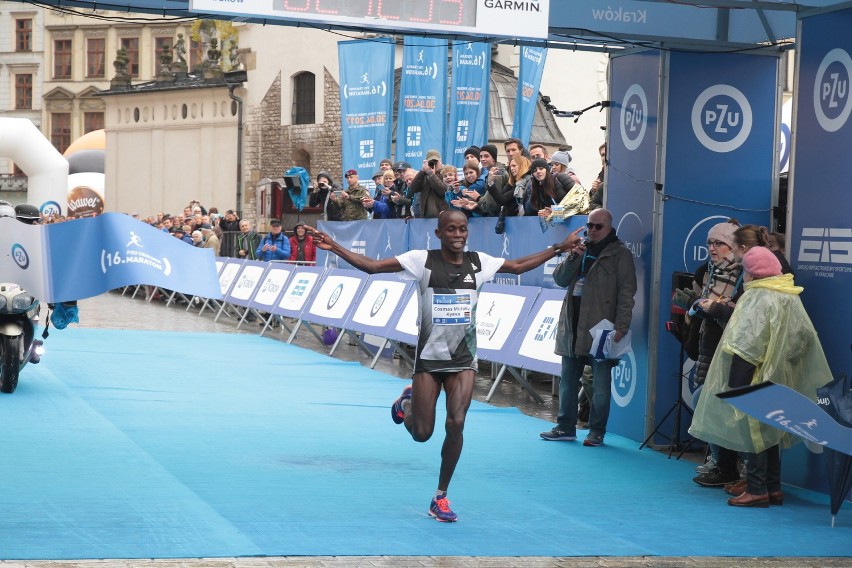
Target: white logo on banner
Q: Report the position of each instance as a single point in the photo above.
(832, 102)
(634, 117)
(462, 130)
(413, 135)
(359, 247)
(110, 259)
(366, 148)
(624, 380)
(721, 118)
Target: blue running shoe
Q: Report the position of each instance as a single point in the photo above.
(440, 510)
(397, 412)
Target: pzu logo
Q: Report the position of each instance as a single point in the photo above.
(832, 102)
(634, 117)
(462, 130)
(412, 136)
(721, 118)
(366, 149)
(20, 255)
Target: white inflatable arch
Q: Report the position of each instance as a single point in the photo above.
(46, 168)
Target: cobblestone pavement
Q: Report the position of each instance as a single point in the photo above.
(121, 312)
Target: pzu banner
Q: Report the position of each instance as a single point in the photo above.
(366, 103)
(529, 82)
(422, 99)
(469, 99)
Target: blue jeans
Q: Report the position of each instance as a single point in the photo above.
(572, 372)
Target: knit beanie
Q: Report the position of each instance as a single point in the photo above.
(723, 232)
(539, 163)
(473, 150)
(491, 149)
(761, 262)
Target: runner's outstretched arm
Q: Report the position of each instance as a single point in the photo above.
(359, 261)
(523, 264)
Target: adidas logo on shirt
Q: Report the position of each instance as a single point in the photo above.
(468, 279)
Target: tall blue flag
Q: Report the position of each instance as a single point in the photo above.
(529, 82)
(469, 111)
(366, 103)
(421, 121)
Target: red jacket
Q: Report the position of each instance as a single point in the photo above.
(310, 248)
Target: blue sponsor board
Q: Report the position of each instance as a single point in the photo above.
(819, 243)
(720, 158)
(422, 99)
(630, 196)
(469, 93)
(366, 103)
(819, 235)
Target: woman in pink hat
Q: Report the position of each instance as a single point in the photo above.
(769, 337)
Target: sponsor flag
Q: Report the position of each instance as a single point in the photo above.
(86, 257)
(366, 103)
(529, 82)
(422, 99)
(469, 111)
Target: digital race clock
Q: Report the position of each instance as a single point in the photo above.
(488, 18)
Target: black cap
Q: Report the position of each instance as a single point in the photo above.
(401, 166)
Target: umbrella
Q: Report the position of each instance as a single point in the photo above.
(836, 399)
(828, 424)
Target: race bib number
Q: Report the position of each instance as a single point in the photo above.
(451, 309)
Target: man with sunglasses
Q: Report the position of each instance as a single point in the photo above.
(600, 276)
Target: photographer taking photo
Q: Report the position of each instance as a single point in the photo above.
(319, 196)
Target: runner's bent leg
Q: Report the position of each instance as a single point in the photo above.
(420, 418)
(459, 390)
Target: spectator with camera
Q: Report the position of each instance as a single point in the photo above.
(320, 196)
(403, 198)
(453, 193)
(382, 204)
(429, 186)
(351, 201)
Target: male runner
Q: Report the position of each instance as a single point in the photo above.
(449, 280)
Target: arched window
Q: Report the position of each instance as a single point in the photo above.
(302, 159)
(304, 98)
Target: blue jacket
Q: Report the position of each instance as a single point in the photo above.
(282, 244)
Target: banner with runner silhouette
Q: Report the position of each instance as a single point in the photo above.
(86, 257)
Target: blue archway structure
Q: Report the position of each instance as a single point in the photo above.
(731, 40)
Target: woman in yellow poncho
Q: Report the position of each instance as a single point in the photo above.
(769, 337)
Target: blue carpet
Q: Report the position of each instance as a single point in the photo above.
(126, 444)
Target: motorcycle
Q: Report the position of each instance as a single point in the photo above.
(19, 315)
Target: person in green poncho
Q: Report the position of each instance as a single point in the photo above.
(769, 337)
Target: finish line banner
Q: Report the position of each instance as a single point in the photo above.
(469, 103)
(87, 257)
(529, 82)
(366, 103)
(422, 112)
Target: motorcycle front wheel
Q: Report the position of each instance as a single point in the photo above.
(10, 363)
